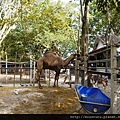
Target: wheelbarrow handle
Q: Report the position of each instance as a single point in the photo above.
(93, 103)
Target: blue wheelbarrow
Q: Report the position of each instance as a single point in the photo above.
(92, 100)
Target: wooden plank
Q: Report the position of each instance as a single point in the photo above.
(15, 68)
(101, 50)
(97, 72)
(98, 68)
(96, 61)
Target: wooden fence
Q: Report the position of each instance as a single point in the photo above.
(103, 61)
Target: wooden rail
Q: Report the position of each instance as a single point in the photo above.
(16, 68)
(96, 61)
(104, 49)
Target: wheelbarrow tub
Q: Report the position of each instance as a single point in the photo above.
(93, 100)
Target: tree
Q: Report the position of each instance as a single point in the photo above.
(42, 26)
(103, 16)
(48, 25)
(8, 16)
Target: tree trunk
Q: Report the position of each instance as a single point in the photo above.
(84, 41)
(84, 24)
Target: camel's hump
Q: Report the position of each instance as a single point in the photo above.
(49, 52)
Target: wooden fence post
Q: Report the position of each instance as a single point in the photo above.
(31, 62)
(76, 71)
(85, 71)
(113, 74)
(34, 74)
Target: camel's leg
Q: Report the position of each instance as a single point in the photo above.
(56, 79)
(57, 83)
(40, 87)
(38, 78)
(54, 83)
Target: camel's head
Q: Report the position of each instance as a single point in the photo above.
(78, 56)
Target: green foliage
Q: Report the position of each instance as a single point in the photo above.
(111, 4)
(110, 10)
(104, 16)
(41, 26)
(51, 26)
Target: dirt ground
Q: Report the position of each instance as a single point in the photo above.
(32, 100)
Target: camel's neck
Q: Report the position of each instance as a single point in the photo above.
(67, 61)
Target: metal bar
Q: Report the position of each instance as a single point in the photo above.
(93, 103)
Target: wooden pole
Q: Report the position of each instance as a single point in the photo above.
(14, 76)
(20, 73)
(113, 74)
(34, 75)
(76, 72)
(15, 70)
(30, 69)
(85, 71)
(6, 67)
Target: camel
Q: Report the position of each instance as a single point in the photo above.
(53, 62)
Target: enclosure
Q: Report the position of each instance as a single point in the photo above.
(30, 28)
